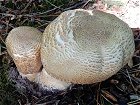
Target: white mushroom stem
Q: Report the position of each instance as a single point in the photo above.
(49, 82)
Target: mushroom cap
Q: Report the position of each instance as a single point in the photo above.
(86, 46)
(23, 45)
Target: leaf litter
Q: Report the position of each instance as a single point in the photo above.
(121, 88)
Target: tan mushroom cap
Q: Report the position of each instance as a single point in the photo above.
(23, 44)
(84, 46)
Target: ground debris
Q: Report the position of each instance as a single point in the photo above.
(122, 88)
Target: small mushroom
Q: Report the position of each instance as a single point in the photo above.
(85, 46)
(23, 45)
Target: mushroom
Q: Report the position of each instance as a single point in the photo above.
(79, 46)
(86, 46)
(23, 44)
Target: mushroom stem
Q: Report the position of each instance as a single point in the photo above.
(31, 77)
(50, 83)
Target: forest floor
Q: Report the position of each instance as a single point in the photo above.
(122, 88)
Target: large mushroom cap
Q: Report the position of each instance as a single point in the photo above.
(23, 45)
(83, 46)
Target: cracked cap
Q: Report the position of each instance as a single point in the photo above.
(23, 45)
(84, 46)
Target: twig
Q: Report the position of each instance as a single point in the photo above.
(19, 102)
(86, 3)
(43, 25)
(107, 99)
(97, 95)
(53, 4)
(119, 89)
(136, 56)
(131, 81)
(136, 102)
(134, 71)
(2, 39)
(49, 11)
(75, 6)
(136, 39)
(7, 27)
(136, 65)
(132, 78)
(43, 98)
(3, 53)
(7, 14)
(30, 1)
